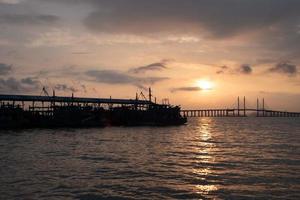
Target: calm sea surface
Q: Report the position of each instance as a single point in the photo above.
(220, 158)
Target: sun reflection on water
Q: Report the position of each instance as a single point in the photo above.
(206, 189)
(205, 156)
(204, 129)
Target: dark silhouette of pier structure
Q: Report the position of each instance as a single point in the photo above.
(240, 111)
(27, 111)
(45, 104)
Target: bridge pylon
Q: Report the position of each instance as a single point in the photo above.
(239, 107)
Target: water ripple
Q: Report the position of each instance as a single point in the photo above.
(218, 158)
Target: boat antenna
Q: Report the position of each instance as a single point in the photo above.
(44, 91)
(150, 94)
(141, 94)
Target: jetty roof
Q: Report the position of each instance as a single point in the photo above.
(4, 97)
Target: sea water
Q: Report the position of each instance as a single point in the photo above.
(209, 158)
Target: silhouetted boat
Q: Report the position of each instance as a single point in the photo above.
(84, 112)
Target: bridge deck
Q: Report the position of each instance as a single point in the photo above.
(237, 113)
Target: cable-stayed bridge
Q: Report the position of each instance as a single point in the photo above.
(240, 111)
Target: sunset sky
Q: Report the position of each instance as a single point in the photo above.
(197, 53)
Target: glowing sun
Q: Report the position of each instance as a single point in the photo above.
(205, 84)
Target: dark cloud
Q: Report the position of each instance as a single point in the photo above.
(151, 67)
(219, 18)
(245, 69)
(186, 89)
(25, 19)
(118, 77)
(222, 69)
(13, 85)
(10, 85)
(5, 69)
(275, 22)
(111, 77)
(285, 68)
(30, 81)
(242, 69)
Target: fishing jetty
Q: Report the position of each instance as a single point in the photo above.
(27, 111)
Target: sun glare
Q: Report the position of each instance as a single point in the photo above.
(205, 84)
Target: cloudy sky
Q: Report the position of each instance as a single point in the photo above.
(197, 53)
